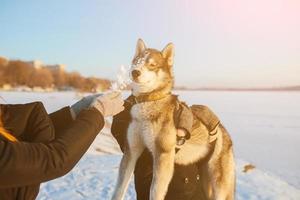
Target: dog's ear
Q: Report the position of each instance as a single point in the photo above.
(168, 53)
(140, 47)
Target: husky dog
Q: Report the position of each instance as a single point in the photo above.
(153, 127)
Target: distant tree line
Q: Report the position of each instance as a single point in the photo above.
(19, 73)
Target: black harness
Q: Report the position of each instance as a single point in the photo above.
(180, 140)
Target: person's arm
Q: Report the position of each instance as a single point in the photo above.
(24, 163)
(65, 116)
(62, 118)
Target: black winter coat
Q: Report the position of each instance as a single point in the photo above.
(49, 146)
(185, 184)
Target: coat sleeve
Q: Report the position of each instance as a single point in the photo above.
(24, 163)
(61, 119)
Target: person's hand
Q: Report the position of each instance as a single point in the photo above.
(85, 102)
(109, 104)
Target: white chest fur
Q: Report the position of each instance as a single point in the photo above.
(149, 123)
(142, 125)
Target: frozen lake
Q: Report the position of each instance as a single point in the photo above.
(264, 126)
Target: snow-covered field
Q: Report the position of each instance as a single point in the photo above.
(265, 128)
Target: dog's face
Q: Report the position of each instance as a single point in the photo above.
(151, 69)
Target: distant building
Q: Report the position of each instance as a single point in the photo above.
(58, 67)
(36, 64)
(39, 64)
(4, 61)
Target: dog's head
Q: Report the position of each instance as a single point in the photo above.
(151, 70)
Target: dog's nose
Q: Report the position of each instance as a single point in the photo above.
(135, 73)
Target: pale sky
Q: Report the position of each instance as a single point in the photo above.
(229, 43)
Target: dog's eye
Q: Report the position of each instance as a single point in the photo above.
(153, 65)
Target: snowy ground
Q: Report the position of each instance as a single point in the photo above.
(265, 128)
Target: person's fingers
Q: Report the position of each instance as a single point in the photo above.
(116, 102)
(118, 110)
(120, 102)
(111, 103)
(113, 95)
(119, 107)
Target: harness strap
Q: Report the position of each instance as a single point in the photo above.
(213, 134)
(210, 153)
